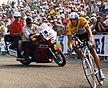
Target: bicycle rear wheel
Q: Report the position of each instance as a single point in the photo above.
(89, 72)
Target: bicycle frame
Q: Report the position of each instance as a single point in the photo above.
(88, 60)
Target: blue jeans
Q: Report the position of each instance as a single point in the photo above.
(60, 38)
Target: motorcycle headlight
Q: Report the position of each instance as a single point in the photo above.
(53, 40)
(57, 46)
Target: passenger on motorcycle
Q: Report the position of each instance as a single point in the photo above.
(16, 32)
(29, 30)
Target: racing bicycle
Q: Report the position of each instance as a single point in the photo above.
(89, 66)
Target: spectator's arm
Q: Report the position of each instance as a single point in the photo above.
(101, 27)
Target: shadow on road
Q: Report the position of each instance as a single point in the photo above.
(15, 66)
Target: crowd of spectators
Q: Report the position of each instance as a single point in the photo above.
(55, 13)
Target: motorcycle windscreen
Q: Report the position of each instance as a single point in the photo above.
(48, 33)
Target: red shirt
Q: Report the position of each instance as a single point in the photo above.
(16, 27)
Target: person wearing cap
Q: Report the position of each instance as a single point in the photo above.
(16, 31)
(82, 14)
(87, 18)
(93, 21)
(28, 32)
(93, 15)
(101, 7)
(95, 9)
(100, 27)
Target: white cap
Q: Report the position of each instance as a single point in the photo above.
(61, 10)
(17, 14)
(55, 20)
(87, 17)
(94, 14)
(57, 8)
(92, 18)
(81, 13)
(107, 16)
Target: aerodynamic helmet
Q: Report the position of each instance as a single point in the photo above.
(73, 16)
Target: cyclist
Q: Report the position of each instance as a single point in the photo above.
(80, 26)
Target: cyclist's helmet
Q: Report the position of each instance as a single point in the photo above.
(29, 20)
(17, 14)
(73, 16)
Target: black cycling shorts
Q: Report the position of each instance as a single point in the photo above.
(83, 36)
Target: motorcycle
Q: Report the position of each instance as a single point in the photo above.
(46, 49)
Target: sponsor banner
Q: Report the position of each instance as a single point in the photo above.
(2, 45)
(101, 43)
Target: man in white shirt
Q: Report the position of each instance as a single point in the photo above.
(28, 31)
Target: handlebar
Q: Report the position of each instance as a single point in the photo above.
(80, 43)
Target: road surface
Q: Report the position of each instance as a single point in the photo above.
(44, 75)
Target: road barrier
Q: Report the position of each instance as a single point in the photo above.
(100, 40)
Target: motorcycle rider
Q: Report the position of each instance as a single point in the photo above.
(29, 30)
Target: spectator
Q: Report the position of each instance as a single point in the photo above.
(106, 23)
(102, 8)
(99, 27)
(93, 15)
(82, 14)
(87, 17)
(92, 24)
(95, 9)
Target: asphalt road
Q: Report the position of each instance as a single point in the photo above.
(44, 75)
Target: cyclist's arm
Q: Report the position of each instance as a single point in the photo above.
(69, 41)
(88, 29)
(89, 32)
(69, 35)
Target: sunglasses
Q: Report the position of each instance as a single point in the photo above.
(73, 20)
(16, 17)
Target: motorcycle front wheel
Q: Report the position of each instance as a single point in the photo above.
(59, 58)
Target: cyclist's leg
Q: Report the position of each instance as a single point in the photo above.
(95, 56)
(97, 61)
(79, 53)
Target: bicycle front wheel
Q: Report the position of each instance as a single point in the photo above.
(89, 72)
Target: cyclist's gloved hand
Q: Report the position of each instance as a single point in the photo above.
(90, 43)
(70, 50)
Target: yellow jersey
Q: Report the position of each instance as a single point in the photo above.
(79, 29)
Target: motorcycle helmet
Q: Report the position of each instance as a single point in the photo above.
(29, 20)
(73, 16)
(17, 14)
